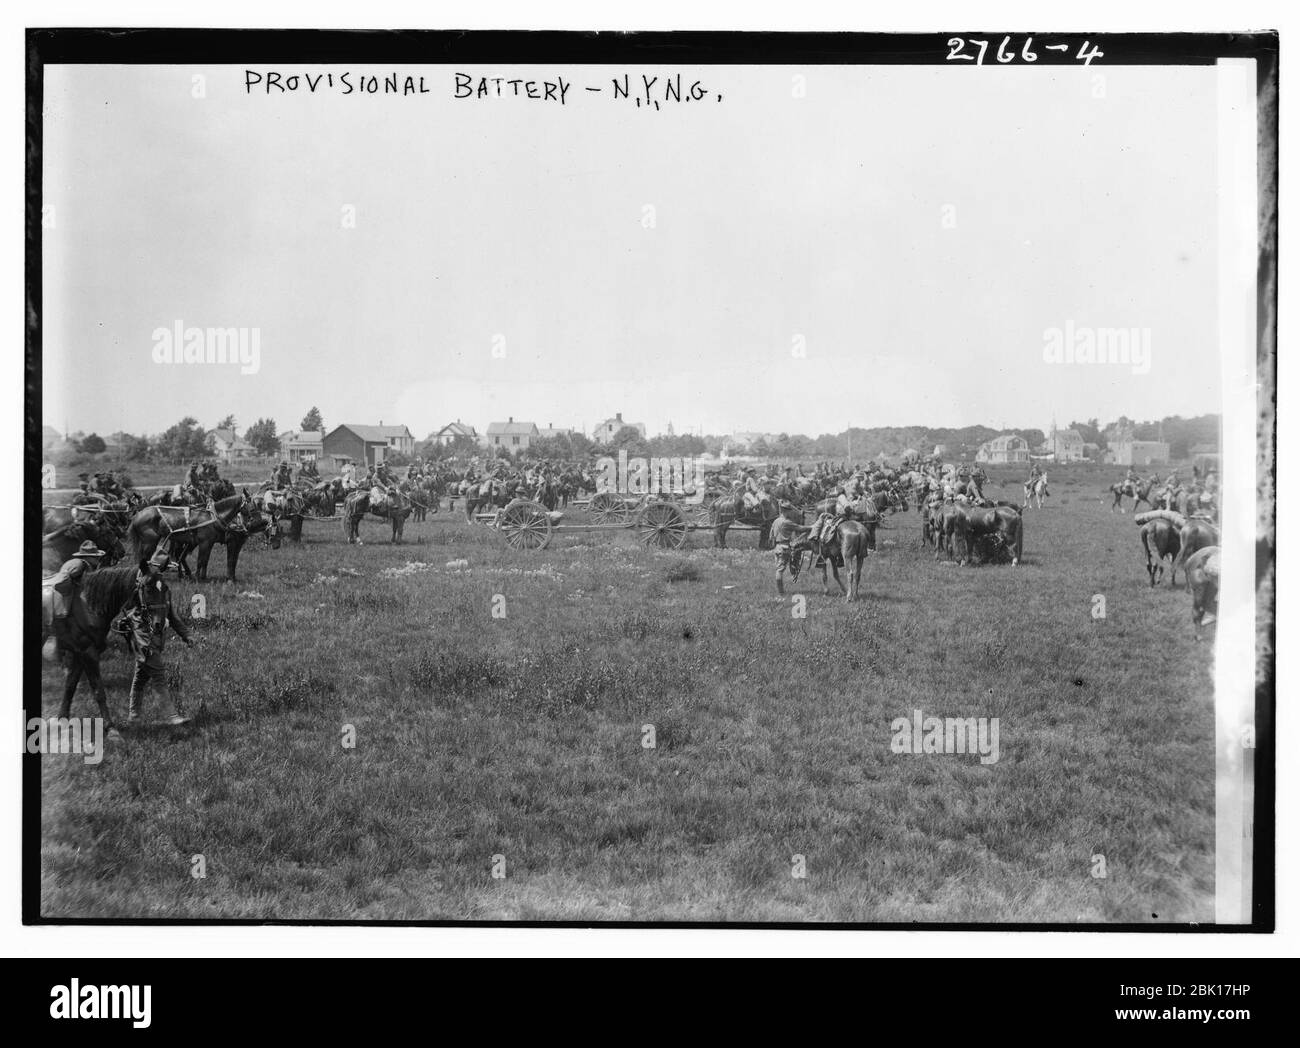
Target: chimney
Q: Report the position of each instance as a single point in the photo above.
(512, 418)
(618, 416)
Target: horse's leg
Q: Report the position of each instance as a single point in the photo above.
(70, 681)
(835, 569)
(205, 554)
(233, 546)
(95, 679)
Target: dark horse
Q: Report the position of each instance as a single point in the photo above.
(423, 493)
(1161, 537)
(61, 543)
(729, 509)
(996, 531)
(201, 529)
(1139, 493)
(103, 594)
(481, 496)
(395, 509)
(854, 540)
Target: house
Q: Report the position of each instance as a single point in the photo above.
(511, 435)
(365, 445)
(1130, 452)
(302, 445)
(607, 430)
(229, 446)
(452, 430)
(1065, 445)
(1007, 448)
(548, 431)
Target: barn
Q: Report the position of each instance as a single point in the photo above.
(365, 445)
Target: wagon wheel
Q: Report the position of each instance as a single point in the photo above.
(599, 505)
(526, 525)
(608, 508)
(662, 524)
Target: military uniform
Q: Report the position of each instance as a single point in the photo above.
(72, 631)
(786, 536)
(147, 615)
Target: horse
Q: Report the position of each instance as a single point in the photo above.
(395, 508)
(1139, 493)
(1195, 535)
(1201, 575)
(730, 509)
(423, 493)
(998, 529)
(103, 595)
(1161, 536)
(60, 544)
(799, 491)
(950, 530)
(480, 496)
(201, 529)
(855, 541)
(1035, 491)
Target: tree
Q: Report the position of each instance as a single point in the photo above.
(184, 440)
(91, 444)
(136, 449)
(227, 423)
(261, 434)
(628, 439)
(312, 421)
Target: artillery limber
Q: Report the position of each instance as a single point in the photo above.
(660, 522)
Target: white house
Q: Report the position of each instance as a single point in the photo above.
(607, 430)
(511, 435)
(452, 430)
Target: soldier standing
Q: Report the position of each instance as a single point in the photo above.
(147, 615)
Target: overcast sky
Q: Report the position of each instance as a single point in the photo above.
(775, 218)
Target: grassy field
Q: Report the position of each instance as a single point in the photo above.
(516, 743)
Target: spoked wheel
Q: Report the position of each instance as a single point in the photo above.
(526, 525)
(608, 508)
(663, 525)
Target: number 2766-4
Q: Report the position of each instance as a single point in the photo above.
(969, 49)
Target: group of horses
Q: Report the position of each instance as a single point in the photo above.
(118, 527)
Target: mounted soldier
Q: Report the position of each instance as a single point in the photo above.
(83, 496)
(192, 485)
(146, 618)
(281, 476)
(307, 470)
(824, 527)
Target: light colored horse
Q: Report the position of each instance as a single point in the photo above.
(1036, 491)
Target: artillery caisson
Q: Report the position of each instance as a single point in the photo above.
(660, 523)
